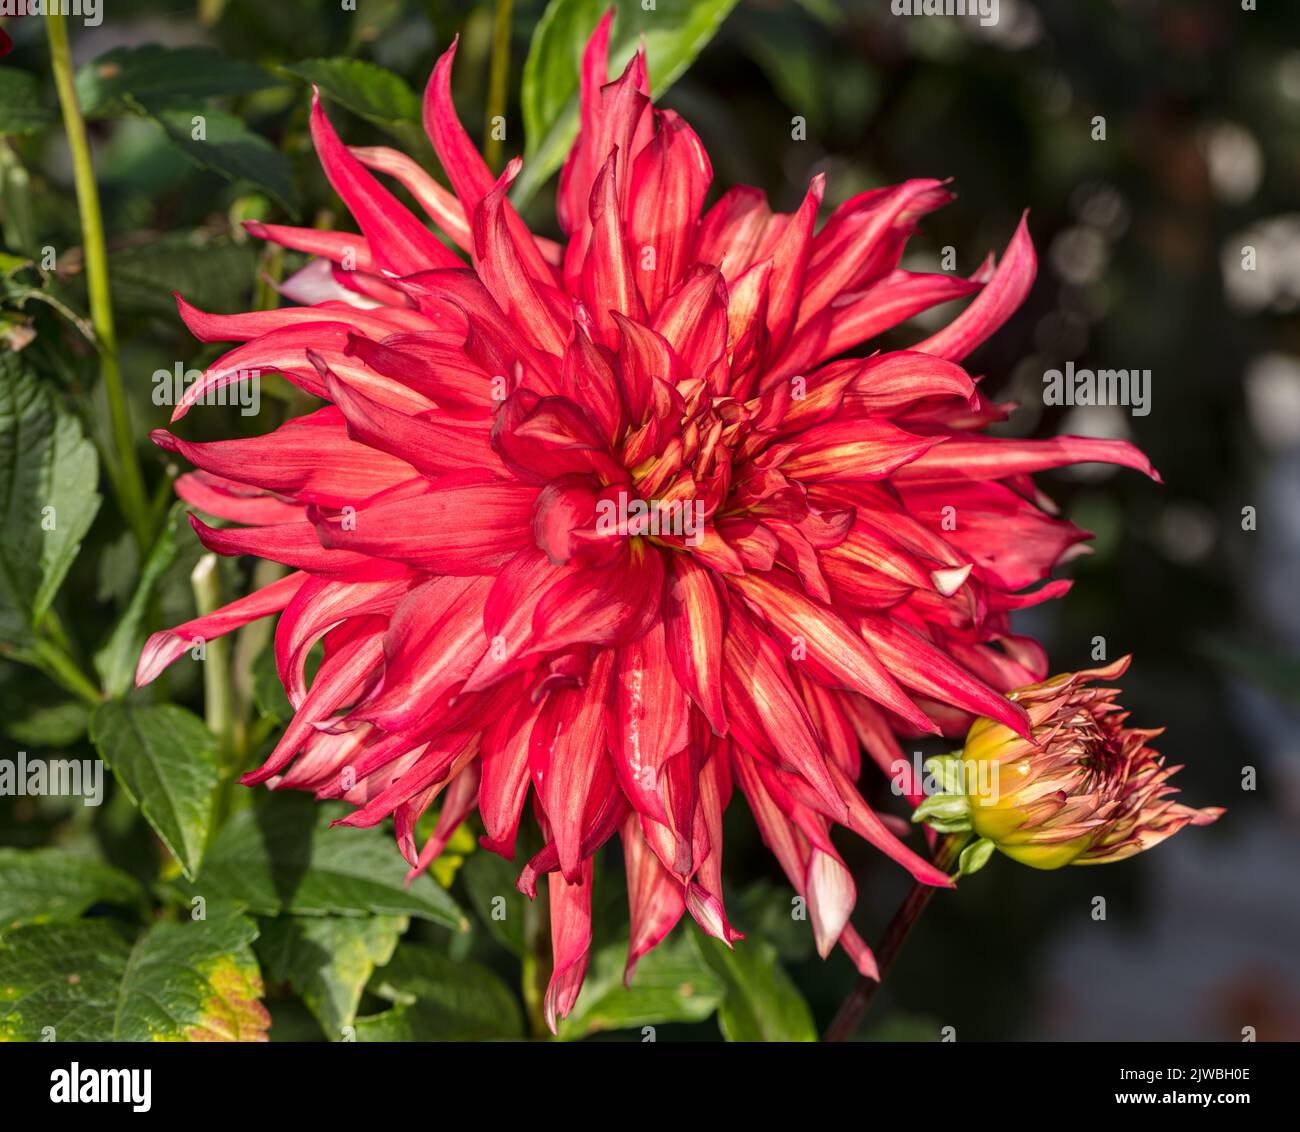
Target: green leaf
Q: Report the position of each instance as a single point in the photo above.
(268, 692)
(82, 981)
(369, 91)
(159, 77)
(17, 220)
(48, 477)
(116, 661)
(283, 856)
(438, 999)
(329, 960)
(60, 981)
(166, 761)
(766, 911)
(38, 886)
(760, 1003)
(671, 984)
(675, 33)
(53, 725)
(490, 882)
(211, 274)
(229, 149)
(21, 109)
(74, 472)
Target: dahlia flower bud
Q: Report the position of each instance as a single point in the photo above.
(1083, 789)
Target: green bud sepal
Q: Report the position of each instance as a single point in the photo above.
(975, 856)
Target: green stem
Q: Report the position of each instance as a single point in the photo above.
(849, 1017)
(128, 480)
(249, 643)
(218, 683)
(272, 271)
(52, 659)
(538, 963)
(498, 82)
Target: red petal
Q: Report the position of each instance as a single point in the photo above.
(570, 942)
(670, 178)
(398, 242)
(167, 645)
(695, 621)
(994, 305)
(648, 723)
(654, 896)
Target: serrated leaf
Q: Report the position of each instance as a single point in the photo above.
(166, 760)
(438, 999)
(60, 981)
(671, 984)
(675, 32)
(369, 91)
(283, 857)
(40, 886)
(159, 77)
(45, 462)
(191, 981)
(329, 960)
(116, 661)
(21, 108)
(760, 1003)
(230, 149)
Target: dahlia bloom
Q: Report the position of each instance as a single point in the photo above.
(1083, 789)
(493, 397)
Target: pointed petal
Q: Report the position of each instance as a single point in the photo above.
(695, 623)
(399, 243)
(995, 303)
(167, 645)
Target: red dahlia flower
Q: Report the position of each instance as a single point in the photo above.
(605, 520)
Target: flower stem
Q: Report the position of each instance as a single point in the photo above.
(537, 967)
(218, 680)
(57, 663)
(128, 481)
(851, 1011)
(498, 82)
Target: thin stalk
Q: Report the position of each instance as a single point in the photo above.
(128, 481)
(218, 681)
(852, 1010)
(57, 663)
(538, 964)
(498, 82)
(249, 643)
(269, 277)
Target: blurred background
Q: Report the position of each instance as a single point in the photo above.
(1144, 240)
